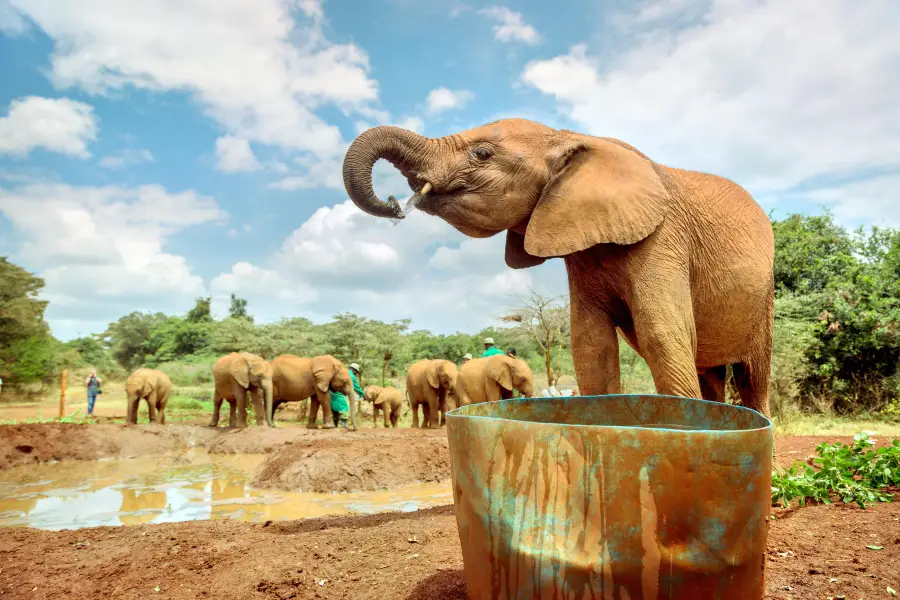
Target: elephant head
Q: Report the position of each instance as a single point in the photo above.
(252, 371)
(442, 374)
(555, 192)
(330, 373)
(372, 392)
(511, 373)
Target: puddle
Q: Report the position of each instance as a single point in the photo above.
(197, 486)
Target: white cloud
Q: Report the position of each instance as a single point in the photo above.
(443, 99)
(56, 124)
(111, 258)
(869, 202)
(11, 22)
(511, 26)
(341, 259)
(767, 92)
(125, 158)
(234, 155)
(257, 67)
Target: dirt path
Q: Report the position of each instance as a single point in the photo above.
(814, 553)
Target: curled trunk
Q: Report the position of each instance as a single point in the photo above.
(404, 149)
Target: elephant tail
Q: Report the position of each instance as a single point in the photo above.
(408, 404)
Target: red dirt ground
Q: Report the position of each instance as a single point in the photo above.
(815, 552)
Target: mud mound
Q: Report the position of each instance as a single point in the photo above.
(336, 464)
(43, 442)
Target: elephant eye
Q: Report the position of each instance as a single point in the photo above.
(482, 153)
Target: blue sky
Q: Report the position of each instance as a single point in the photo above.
(154, 152)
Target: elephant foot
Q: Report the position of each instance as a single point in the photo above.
(328, 426)
(313, 426)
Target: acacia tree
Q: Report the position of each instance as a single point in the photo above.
(545, 320)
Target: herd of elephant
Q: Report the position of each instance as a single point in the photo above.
(435, 385)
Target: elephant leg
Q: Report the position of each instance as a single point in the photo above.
(313, 411)
(712, 383)
(217, 407)
(259, 406)
(595, 348)
(395, 416)
(387, 414)
(667, 337)
(325, 401)
(415, 412)
(240, 396)
(232, 413)
(132, 411)
(151, 406)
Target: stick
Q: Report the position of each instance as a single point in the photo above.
(62, 393)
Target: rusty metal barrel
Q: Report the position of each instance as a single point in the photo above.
(639, 497)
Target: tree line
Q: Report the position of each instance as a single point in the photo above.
(837, 329)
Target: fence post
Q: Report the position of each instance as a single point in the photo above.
(62, 393)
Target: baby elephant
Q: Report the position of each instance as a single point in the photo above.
(151, 385)
(388, 399)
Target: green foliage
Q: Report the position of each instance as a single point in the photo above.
(27, 350)
(811, 252)
(202, 311)
(855, 473)
(238, 309)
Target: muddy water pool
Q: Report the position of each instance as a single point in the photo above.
(196, 486)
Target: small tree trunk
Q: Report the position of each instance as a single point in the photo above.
(547, 360)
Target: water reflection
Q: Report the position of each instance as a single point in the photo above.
(163, 489)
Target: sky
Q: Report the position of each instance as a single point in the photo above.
(154, 152)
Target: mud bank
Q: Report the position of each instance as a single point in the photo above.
(813, 553)
(44, 442)
(345, 464)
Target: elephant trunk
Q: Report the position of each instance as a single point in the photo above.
(404, 149)
(351, 397)
(267, 402)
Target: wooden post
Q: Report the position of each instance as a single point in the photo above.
(62, 393)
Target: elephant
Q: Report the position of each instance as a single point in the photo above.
(679, 262)
(296, 379)
(237, 374)
(151, 385)
(431, 384)
(494, 378)
(389, 400)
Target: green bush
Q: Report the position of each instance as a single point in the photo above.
(855, 473)
(196, 371)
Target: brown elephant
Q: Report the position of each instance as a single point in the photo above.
(431, 384)
(679, 262)
(296, 378)
(389, 400)
(151, 385)
(494, 378)
(236, 375)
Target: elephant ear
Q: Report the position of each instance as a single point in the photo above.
(499, 371)
(240, 370)
(323, 370)
(600, 191)
(431, 373)
(516, 256)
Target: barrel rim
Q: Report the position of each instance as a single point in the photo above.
(456, 414)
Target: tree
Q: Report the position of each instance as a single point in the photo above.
(21, 313)
(811, 251)
(131, 338)
(201, 313)
(544, 320)
(27, 348)
(238, 309)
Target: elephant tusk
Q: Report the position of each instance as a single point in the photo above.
(413, 200)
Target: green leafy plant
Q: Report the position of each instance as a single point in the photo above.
(855, 473)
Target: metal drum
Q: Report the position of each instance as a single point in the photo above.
(639, 497)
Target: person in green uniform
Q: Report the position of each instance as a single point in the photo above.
(340, 408)
(490, 349)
